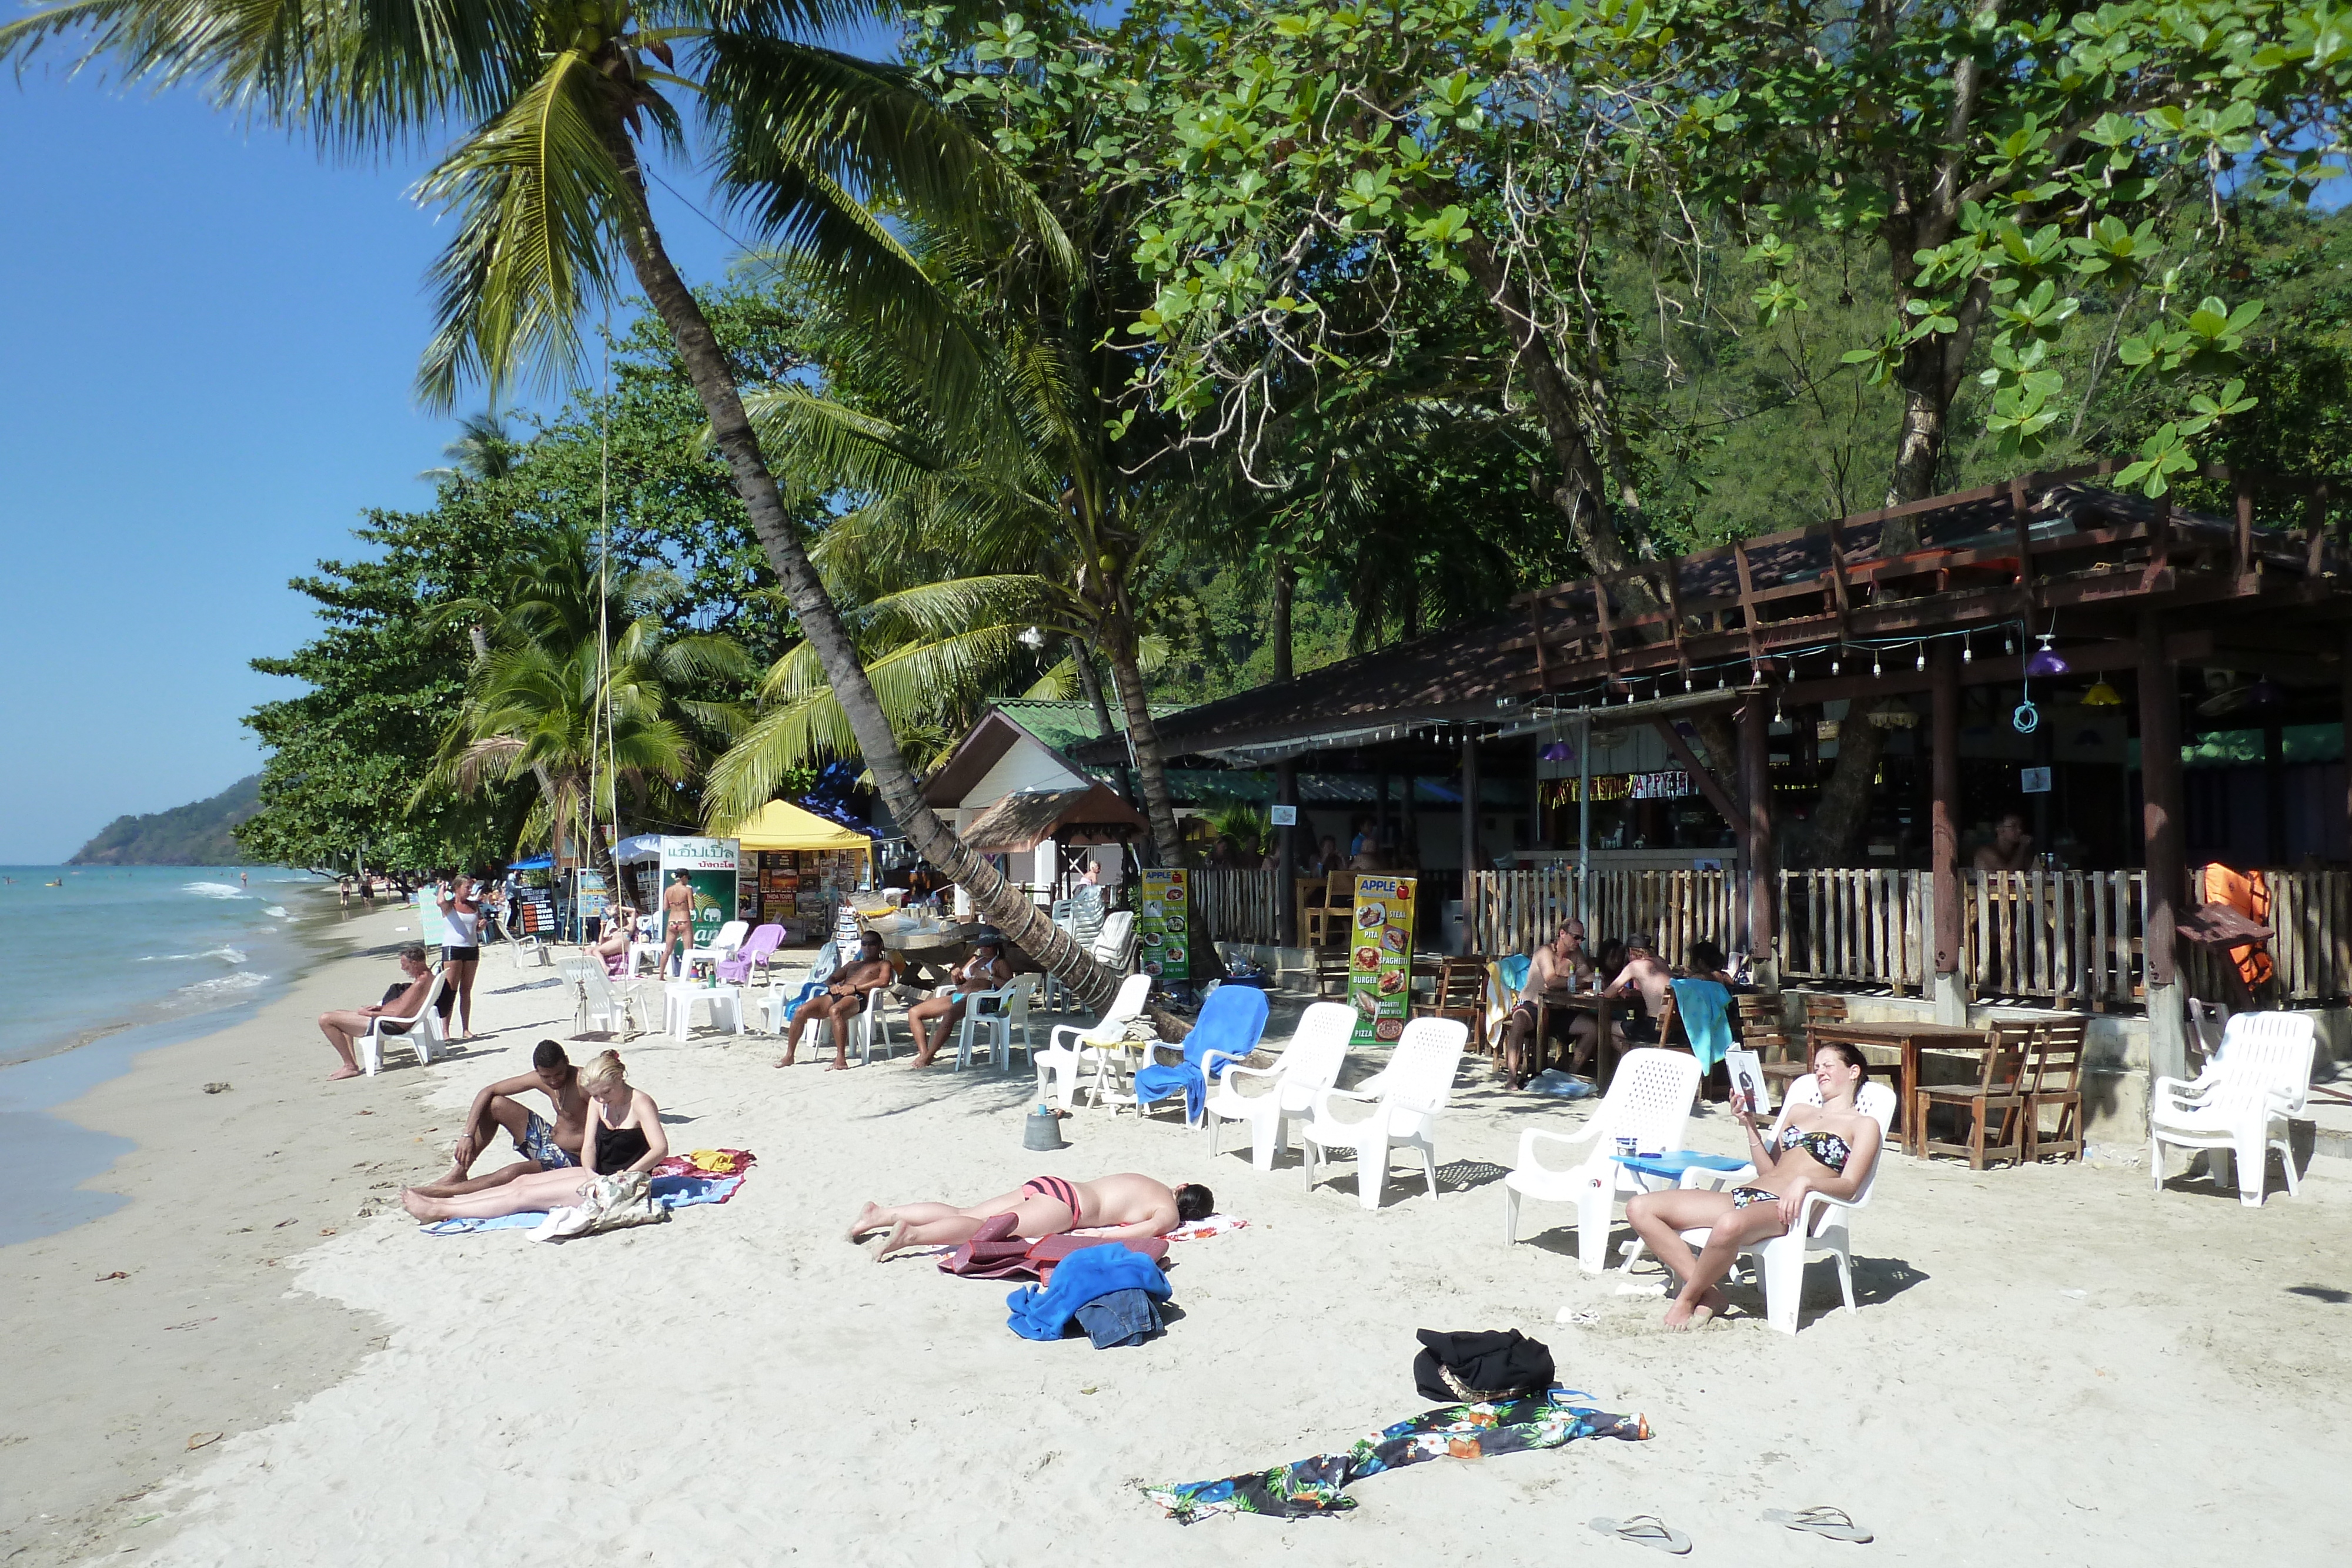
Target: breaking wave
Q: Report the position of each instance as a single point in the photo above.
(211, 890)
(221, 985)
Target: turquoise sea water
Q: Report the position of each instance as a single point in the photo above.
(112, 961)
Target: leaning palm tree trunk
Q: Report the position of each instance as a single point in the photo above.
(1001, 903)
(1158, 800)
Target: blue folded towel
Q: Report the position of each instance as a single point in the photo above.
(1084, 1276)
(1703, 1006)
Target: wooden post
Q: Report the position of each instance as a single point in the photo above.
(1469, 815)
(1756, 849)
(2344, 674)
(1285, 841)
(1947, 985)
(2159, 775)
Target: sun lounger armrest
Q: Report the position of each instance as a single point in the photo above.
(1530, 1139)
(1326, 1100)
(1233, 1060)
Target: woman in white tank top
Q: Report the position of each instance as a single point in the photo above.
(461, 953)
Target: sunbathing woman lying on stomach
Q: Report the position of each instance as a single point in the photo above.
(1045, 1205)
(624, 1134)
(1827, 1149)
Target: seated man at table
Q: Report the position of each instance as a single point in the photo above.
(1645, 977)
(1554, 966)
(842, 999)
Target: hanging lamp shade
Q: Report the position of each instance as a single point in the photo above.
(2264, 693)
(2045, 662)
(1557, 751)
(2102, 696)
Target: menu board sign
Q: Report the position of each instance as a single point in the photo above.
(1379, 958)
(1163, 923)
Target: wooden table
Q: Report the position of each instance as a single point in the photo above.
(1601, 1005)
(1910, 1040)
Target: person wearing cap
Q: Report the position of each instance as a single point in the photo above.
(985, 970)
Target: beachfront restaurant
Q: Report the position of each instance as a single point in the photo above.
(2156, 689)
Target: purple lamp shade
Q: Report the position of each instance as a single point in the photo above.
(2045, 662)
(1557, 751)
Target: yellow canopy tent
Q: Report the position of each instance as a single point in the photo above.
(779, 825)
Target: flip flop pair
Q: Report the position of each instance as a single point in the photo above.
(1645, 1529)
(1832, 1523)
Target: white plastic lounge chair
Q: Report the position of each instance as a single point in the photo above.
(1407, 1096)
(1071, 1048)
(2257, 1081)
(598, 1007)
(528, 951)
(1649, 1099)
(996, 1025)
(1312, 1062)
(1822, 1228)
(424, 1030)
(1114, 946)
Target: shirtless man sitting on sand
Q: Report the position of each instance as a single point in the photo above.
(544, 1146)
(677, 921)
(842, 999)
(1045, 1205)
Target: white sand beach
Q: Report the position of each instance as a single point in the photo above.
(2050, 1365)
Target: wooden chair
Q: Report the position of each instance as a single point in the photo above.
(1330, 964)
(1999, 1093)
(1338, 912)
(1461, 994)
(1763, 1029)
(2054, 1080)
(1314, 915)
(1823, 1009)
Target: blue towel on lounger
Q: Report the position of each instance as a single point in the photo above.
(1232, 1022)
(1703, 1006)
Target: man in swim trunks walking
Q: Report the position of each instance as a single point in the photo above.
(544, 1146)
(1045, 1205)
(677, 921)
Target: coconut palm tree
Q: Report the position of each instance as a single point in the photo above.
(554, 105)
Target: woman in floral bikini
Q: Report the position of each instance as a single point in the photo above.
(1827, 1149)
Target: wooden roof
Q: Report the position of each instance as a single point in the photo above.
(1027, 818)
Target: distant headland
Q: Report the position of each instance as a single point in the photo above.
(197, 834)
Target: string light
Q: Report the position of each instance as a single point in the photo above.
(1875, 670)
(1968, 649)
(1923, 655)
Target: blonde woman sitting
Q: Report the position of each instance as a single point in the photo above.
(1827, 1149)
(624, 1134)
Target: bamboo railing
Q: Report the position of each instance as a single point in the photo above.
(1239, 906)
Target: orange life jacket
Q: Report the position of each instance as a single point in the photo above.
(2250, 895)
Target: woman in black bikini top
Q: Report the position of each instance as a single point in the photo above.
(1831, 1153)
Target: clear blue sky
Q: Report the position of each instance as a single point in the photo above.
(207, 338)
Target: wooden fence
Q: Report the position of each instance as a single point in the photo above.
(1239, 906)
(1514, 911)
(2065, 939)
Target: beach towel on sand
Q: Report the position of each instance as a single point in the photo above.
(678, 1183)
(1459, 1431)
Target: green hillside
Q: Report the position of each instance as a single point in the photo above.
(184, 835)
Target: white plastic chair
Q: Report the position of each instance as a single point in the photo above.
(731, 937)
(1407, 1096)
(1071, 1048)
(2259, 1079)
(423, 1032)
(599, 1006)
(873, 1025)
(1649, 1101)
(1822, 1228)
(1011, 1013)
(1312, 1062)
